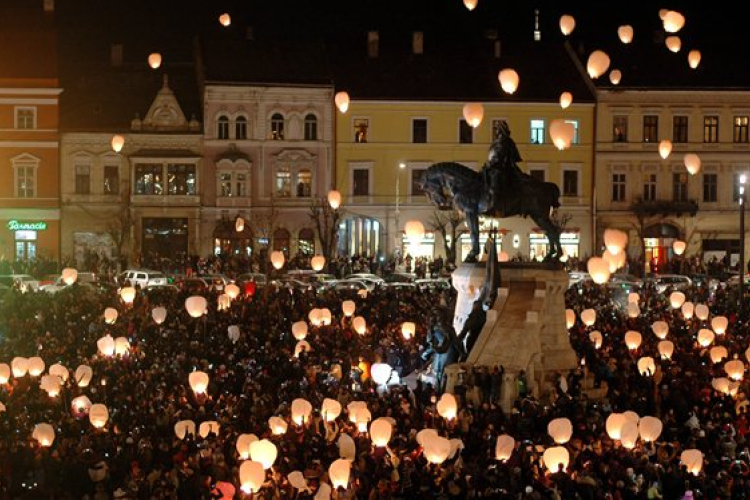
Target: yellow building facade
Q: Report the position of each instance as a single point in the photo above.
(383, 147)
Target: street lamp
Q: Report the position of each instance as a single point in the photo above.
(401, 166)
(743, 179)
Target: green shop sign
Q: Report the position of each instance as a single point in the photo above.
(15, 225)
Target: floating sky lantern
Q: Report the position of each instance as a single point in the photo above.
(735, 369)
(342, 101)
(154, 60)
(702, 312)
(44, 434)
(633, 339)
(117, 143)
(302, 346)
(233, 332)
(277, 259)
(318, 263)
(625, 33)
(633, 297)
(598, 270)
(633, 310)
(597, 64)
(615, 240)
(718, 353)
(278, 426)
(381, 430)
(330, 409)
(263, 451)
(567, 24)
(646, 366)
(693, 460)
(339, 473)
(676, 299)
(596, 338)
(36, 366)
(447, 407)
(679, 247)
(106, 346)
(239, 224)
(508, 80)
(562, 133)
(381, 373)
(69, 275)
(184, 428)
(665, 148)
(334, 199)
(694, 58)
(504, 447)
(232, 290)
(414, 230)
(98, 415)
(560, 430)
(408, 329)
(196, 306)
(660, 329)
(301, 411)
(570, 318)
(692, 163)
(666, 349)
(198, 382)
(348, 307)
(566, 99)
(159, 314)
(243, 445)
(673, 21)
(80, 404)
(614, 425)
(615, 76)
(556, 458)
(688, 309)
(122, 346)
(127, 294)
(5, 373)
(225, 19)
(83, 375)
(208, 427)
(252, 476)
(629, 435)
(673, 43)
(471, 4)
(473, 113)
(360, 325)
(705, 337)
(436, 449)
(719, 324)
(588, 316)
(110, 315)
(51, 385)
(19, 366)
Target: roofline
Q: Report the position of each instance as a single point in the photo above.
(447, 102)
(673, 90)
(256, 84)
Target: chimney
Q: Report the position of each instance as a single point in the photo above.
(373, 42)
(417, 42)
(49, 6)
(498, 49)
(115, 55)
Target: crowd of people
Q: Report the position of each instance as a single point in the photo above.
(138, 454)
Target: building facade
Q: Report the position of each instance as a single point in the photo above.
(268, 157)
(384, 147)
(655, 199)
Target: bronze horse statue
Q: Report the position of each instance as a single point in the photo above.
(500, 190)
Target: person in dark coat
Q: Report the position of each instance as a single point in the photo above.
(472, 328)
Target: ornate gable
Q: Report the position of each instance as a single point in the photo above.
(165, 113)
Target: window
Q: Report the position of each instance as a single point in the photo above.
(416, 181)
(311, 127)
(649, 187)
(240, 128)
(83, 179)
(575, 130)
(222, 128)
(619, 128)
(304, 183)
(361, 126)
(240, 184)
(277, 127)
(281, 241)
(419, 130)
(283, 183)
(680, 129)
(361, 182)
(26, 118)
(618, 187)
(679, 186)
(148, 179)
(741, 129)
(465, 133)
(710, 129)
(225, 184)
(650, 128)
(537, 131)
(537, 174)
(306, 241)
(181, 180)
(232, 184)
(25, 180)
(570, 182)
(710, 188)
(111, 179)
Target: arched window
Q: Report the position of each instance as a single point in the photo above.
(281, 240)
(311, 127)
(283, 183)
(277, 127)
(222, 127)
(306, 241)
(240, 128)
(304, 183)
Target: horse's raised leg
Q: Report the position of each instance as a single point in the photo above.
(553, 236)
(472, 220)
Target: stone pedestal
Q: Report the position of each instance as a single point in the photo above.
(525, 330)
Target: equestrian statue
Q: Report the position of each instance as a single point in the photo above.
(501, 189)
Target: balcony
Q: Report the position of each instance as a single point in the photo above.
(664, 207)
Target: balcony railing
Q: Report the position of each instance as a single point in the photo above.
(664, 207)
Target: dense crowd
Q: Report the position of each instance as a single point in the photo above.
(138, 455)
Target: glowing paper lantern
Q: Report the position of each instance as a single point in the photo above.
(301, 410)
(318, 262)
(36, 366)
(666, 349)
(330, 409)
(233, 332)
(504, 447)
(196, 306)
(98, 415)
(414, 230)
(184, 428)
(633, 339)
(300, 347)
(265, 452)
(615, 76)
(646, 366)
(106, 346)
(673, 21)
(408, 329)
(355, 407)
(676, 299)
(614, 425)
(508, 80)
(705, 337)
(718, 353)
(735, 369)
(629, 435)
(615, 261)
(702, 312)
(223, 302)
(596, 338)
(44, 434)
(679, 247)
(562, 133)
(693, 460)
(159, 314)
(81, 404)
(560, 430)
(339, 472)
(567, 24)
(660, 329)
(239, 224)
(83, 375)
(232, 290)
(127, 294)
(721, 385)
(348, 307)
(556, 458)
(719, 324)
(381, 373)
(471, 4)
(380, 432)
(615, 240)
(363, 417)
(278, 426)
(122, 346)
(117, 143)
(436, 448)
(342, 101)
(208, 427)
(688, 308)
(447, 407)
(570, 318)
(334, 199)
(597, 64)
(473, 113)
(692, 163)
(566, 99)
(665, 148)
(588, 316)
(244, 441)
(598, 269)
(198, 382)
(69, 275)
(110, 315)
(633, 310)
(299, 330)
(325, 316)
(5, 373)
(252, 476)
(154, 60)
(694, 58)
(360, 325)
(277, 259)
(633, 297)
(625, 33)
(673, 43)
(19, 366)
(51, 384)
(225, 19)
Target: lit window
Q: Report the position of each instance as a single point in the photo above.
(304, 183)
(148, 180)
(283, 183)
(575, 130)
(111, 179)
(741, 129)
(537, 131)
(361, 126)
(181, 180)
(277, 127)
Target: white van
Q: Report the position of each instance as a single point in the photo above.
(144, 278)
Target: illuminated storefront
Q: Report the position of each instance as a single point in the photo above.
(424, 247)
(658, 241)
(359, 236)
(539, 245)
(464, 242)
(30, 239)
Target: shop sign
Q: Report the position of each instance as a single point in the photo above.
(15, 225)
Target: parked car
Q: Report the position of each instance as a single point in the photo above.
(84, 279)
(195, 285)
(24, 282)
(352, 285)
(142, 277)
(433, 283)
(365, 276)
(675, 282)
(217, 281)
(259, 279)
(734, 280)
(401, 278)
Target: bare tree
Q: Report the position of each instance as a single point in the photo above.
(326, 221)
(447, 223)
(263, 221)
(119, 226)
